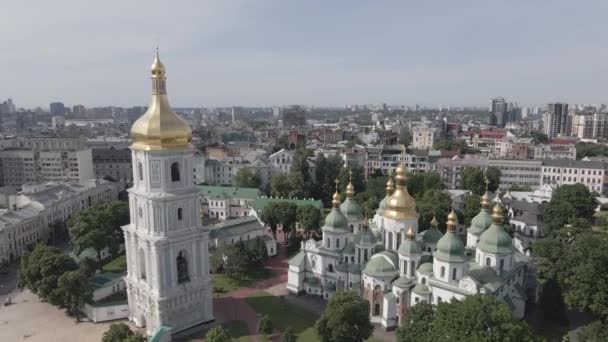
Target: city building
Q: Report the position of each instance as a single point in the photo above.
(113, 164)
(243, 229)
(557, 172)
(424, 136)
(57, 109)
(524, 173)
(394, 267)
(294, 116)
(498, 112)
(168, 281)
(32, 212)
(79, 111)
(555, 119)
(590, 126)
(555, 151)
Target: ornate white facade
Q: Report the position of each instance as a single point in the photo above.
(168, 282)
(394, 267)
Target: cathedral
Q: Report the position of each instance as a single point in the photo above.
(168, 282)
(393, 266)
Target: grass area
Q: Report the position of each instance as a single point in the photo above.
(284, 314)
(224, 284)
(119, 264)
(237, 329)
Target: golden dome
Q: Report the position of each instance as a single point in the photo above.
(410, 233)
(160, 128)
(452, 221)
(485, 201)
(350, 190)
(390, 187)
(401, 205)
(497, 215)
(335, 201)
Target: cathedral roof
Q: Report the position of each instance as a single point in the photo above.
(351, 209)
(421, 289)
(409, 247)
(432, 235)
(450, 247)
(385, 263)
(160, 128)
(403, 282)
(365, 237)
(335, 221)
(401, 205)
(495, 239)
(480, 222)
(426, 268)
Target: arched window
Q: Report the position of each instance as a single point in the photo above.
(390, 240)
(502, 264)
(352, 228)
(377, 309)
(488, 262)
(140, 211)
(180, 214)
(365, 255)
(140, 171)
(412, 268)
(454, 273)
(175, 172)
(423, 281)
(182, 268)
(142, 264)
(330, 268)
(338, 243)
(398, 240)
(442, 272)
(405, 267)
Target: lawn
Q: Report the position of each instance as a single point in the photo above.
(237, 329)
(119, 264)
(284, 314)
(224, 284)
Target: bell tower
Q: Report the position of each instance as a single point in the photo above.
(168, 280)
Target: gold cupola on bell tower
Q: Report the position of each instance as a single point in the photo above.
(160, 128)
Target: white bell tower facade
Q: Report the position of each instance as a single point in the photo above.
(168, 280)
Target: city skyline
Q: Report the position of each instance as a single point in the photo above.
(272, 53)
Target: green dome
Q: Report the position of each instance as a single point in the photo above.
(431, 235)
(403, 282)
(495, 240)
(335, 222)
(409, 248)
(450, 248)
(421, 289)
(365, 237)
(426, 268)
(480, 222)
(351, 209)
(385, 264)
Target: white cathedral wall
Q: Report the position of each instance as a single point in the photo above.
(444, 295)
(471, 240)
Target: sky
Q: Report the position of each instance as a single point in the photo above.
(316, 52)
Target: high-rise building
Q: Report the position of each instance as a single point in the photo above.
(498, 112)
(57, 108)
(79, 111)
(167, 248)
(236, 113)
(555, 119)
(590, 125)
(276, 113)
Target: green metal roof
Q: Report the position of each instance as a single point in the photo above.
(495, 240)
(351, 209)
(229, 192)
(297, 259)
(409, 247)
(431, 235)
(421, 289)
(260, 203)
(160, 333)
(426, 268)
(384, 264)
(480, 222)
(105, 278)
(335, 222)
(365, 237)
(450, 248)
(234, 227)
(403, 282)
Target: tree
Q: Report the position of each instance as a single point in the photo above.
(288, 335)
(270, 217)
(590, 150)
(594, 332)
(475, 318)
(287, 213)
(579, 196)
(455, 145)
(327, 171)
(237, 260)
(471, 207)
(309, 217)
(259, 252)
(473, 179)
(344, 178)
(493, 176)
(405, 136)
(41, 269)
(280, 185)
(557, 214)
(420, 323)
(218, 334)
(75, 290)
(419, 183)
(579, 263)
(346, 318)
(265, 325)
(87, 266)
(245, 178)
(540, 138)
(115, 214)
(120, 332)
(433, 203)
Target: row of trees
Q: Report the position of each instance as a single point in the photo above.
(120, 332)
(56, 278)
(286, 214)
(239, 260)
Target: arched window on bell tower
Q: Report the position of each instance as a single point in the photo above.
(142, 264)
(140, 171)
(175, 172)
(182, 268)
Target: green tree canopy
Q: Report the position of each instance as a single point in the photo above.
(74, 289)
(271, 217)
(288, 335)
(419, 183)
(346, 318)
(309, 217)
(455, 145)
(265, 325)
(579, 196)
(433, 203)
(473, 179)
(41, 269)
(327, 170)
(344, 178)
(471, 207)
(218, 334)
(120, 332)
(246, 178)
(287, 213)
(590, 150)
(475, 318)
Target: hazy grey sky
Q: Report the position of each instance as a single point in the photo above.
(259, 52)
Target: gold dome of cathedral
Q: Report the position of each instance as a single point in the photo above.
(401, 205)
(160, 128)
